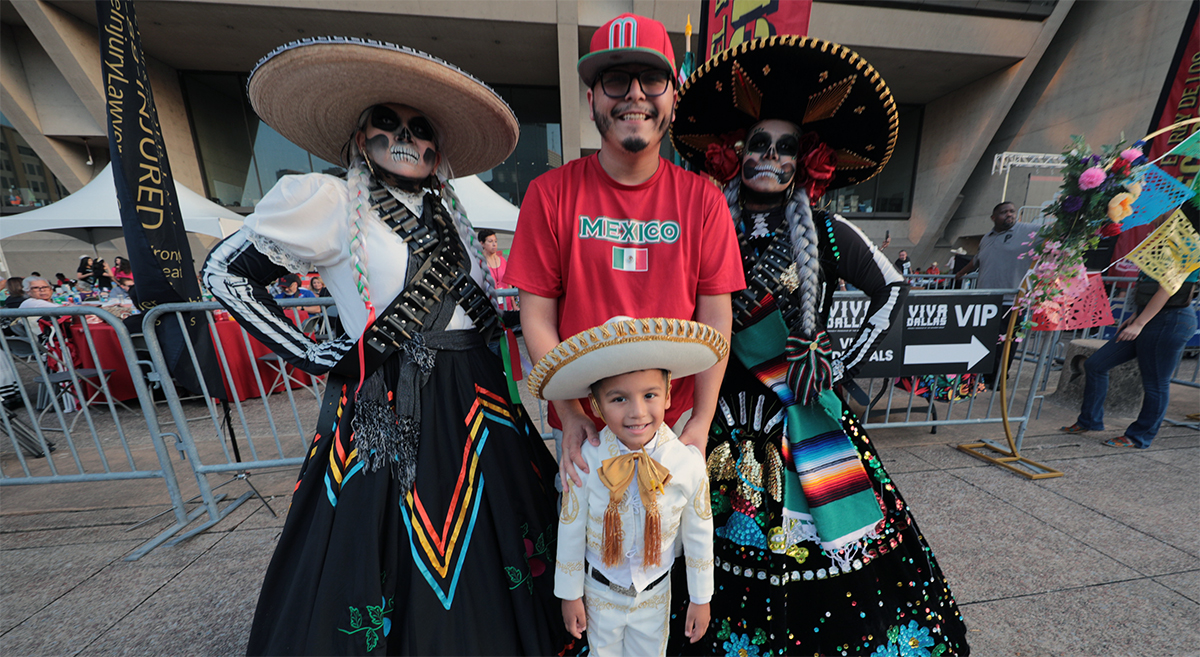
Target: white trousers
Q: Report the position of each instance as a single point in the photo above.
(623, 626)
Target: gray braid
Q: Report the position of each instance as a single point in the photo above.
(808, 264)
(467, 233)
(733, 189)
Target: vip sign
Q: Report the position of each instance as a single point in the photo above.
(934, 333)
(950, 336)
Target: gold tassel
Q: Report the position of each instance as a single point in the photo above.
(652, 551)
(614, 534)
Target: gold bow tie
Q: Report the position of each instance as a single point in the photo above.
(617, 473)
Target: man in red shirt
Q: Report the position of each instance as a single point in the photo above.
(625, 232)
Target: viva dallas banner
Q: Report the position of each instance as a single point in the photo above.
(726, 23)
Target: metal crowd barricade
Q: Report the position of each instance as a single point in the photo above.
(214, 442)
(111, 444)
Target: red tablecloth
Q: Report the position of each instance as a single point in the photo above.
(232, 343)
(108, 349)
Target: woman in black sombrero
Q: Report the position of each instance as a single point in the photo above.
(816, 552)
(423, 521)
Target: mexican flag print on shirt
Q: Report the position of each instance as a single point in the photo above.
(625, 259)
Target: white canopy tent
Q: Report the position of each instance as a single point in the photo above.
(485, 208)
(92, 216)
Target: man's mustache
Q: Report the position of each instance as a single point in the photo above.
(648, 111)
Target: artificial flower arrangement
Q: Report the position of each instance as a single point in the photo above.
(1097, 194)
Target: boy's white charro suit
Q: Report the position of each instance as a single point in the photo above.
(628, 604)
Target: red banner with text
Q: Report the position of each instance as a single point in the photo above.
(727, 23)
(1177, 103)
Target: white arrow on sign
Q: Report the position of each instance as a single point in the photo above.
(929, 354)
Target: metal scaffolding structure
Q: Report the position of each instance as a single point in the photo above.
(1006, 161)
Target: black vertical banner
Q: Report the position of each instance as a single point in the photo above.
(150, 217)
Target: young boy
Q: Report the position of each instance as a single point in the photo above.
(645, 492)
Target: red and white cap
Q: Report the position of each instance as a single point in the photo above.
(627, 39)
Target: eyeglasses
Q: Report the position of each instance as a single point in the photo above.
(39, 287)
(616, 84)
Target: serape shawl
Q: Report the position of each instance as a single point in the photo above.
(825, 481)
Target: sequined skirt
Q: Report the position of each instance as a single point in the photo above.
(776, 591)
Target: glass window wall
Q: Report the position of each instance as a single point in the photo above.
(889, 194)
(24, 179)
(242, 158)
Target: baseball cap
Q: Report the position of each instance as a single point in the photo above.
(627, 39)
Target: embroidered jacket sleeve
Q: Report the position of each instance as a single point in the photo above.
(866, 268)
(284, 233)
(572, 534)
(696, 529)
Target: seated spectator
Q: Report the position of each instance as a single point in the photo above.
(16, 292)
(123, 289)
(37, 293)
(318, 287)
(289, 287)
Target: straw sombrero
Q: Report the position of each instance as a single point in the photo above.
(821, 86)
(313, 91)
(623, 345)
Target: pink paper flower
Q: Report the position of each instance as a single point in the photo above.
(1131, 154)
(1091, 178)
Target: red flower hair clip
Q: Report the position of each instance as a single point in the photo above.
(723, 159)
(817, 163)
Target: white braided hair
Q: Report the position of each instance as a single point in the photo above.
(803, 234)
(808, 262)
(358, 179)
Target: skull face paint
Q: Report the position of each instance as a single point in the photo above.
(769, 161)
(399, 140)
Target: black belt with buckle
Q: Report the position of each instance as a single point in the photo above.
(623, 590)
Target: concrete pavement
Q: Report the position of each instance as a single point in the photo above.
(1103, 561)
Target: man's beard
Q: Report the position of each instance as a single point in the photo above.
(634, 144)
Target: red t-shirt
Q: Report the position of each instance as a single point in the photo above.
(605, 249)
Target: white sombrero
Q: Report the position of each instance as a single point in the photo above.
(623, 345)
(313, 92)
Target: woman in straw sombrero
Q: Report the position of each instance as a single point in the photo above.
(422, 522)
(816, 552)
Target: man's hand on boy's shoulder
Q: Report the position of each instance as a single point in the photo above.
(576, 427)
(575, 617)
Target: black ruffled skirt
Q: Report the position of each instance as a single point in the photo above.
(463, 564)
(776, 598)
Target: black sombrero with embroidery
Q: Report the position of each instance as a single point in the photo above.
(821, 86)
